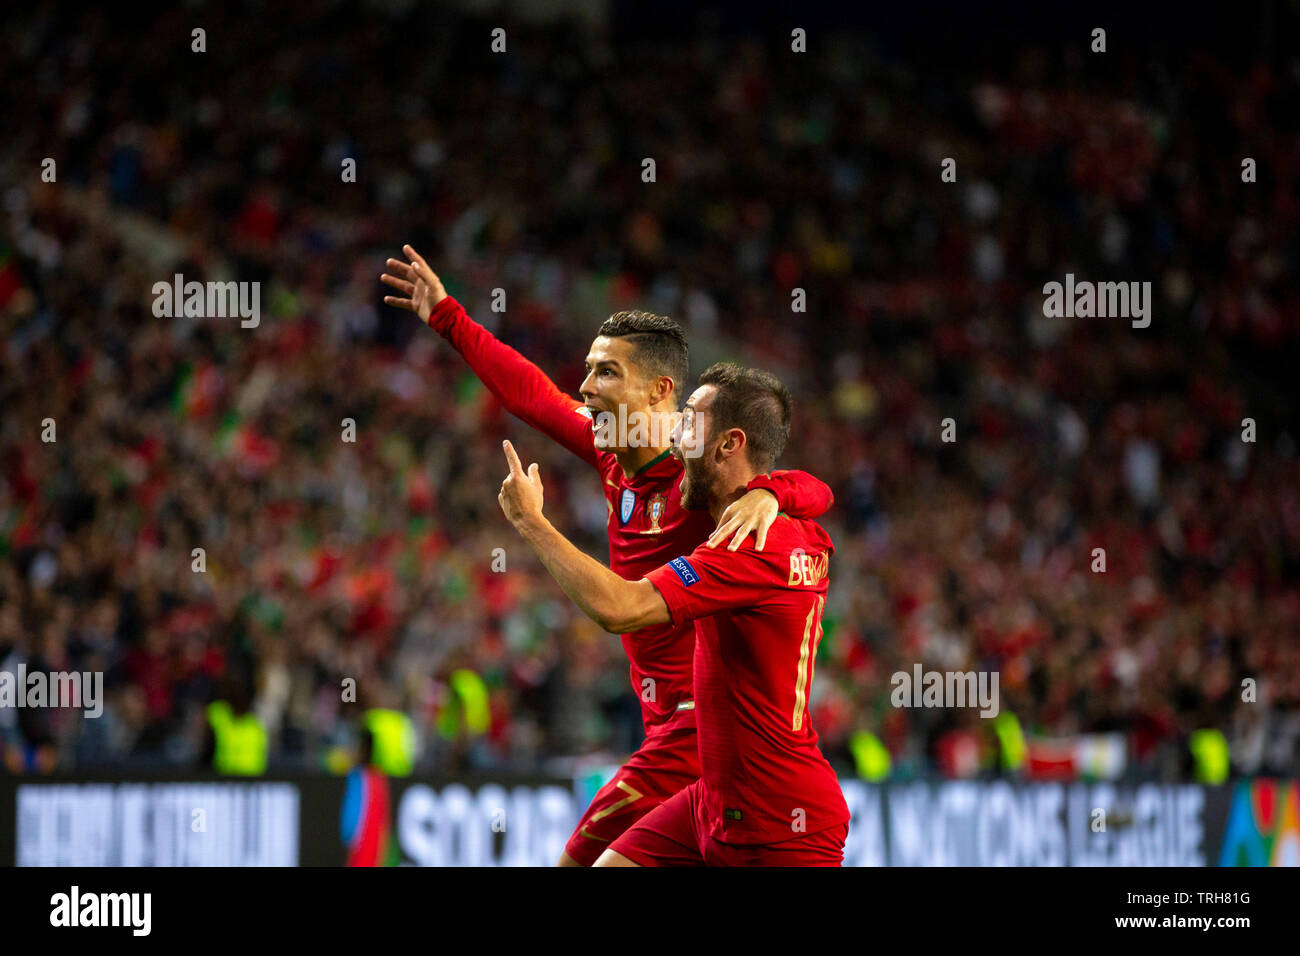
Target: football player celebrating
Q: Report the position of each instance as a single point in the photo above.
(636, 368)
(766, 795)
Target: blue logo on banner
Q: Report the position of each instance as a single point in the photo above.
(682, 568)
(625, 505)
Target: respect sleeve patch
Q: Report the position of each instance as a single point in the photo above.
(682, 568)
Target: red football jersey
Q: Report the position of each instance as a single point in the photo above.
(757, 621)
(647, 525)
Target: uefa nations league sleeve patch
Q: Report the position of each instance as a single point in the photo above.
(682, 568)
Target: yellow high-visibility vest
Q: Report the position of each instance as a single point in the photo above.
(870, 756)
(241, 741)
(394, 737)
(467, 702)
(1210, 755)
(1011, 740)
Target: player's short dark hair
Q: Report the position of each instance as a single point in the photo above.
(754, 401)
(659, 343)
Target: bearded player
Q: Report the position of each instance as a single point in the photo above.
(766, 795)
(636, 369)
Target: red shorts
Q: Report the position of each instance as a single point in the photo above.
(675, 835)
(663, 766)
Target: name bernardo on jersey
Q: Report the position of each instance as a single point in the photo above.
(807, 570)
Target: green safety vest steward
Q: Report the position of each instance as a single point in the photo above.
(1210, 756)
(394, 737)
(468, 701)
(1011, 738)
(870, 755)
(241, 741)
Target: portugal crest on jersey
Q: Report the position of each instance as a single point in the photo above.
(625, 505)
(656, 511)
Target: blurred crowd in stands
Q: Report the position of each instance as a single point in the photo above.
(325, 559)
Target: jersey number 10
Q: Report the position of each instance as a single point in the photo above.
(807, 655)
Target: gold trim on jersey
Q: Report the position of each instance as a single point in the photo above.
(804, 681)
(613, 808)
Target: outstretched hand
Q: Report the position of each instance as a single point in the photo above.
(420, 286)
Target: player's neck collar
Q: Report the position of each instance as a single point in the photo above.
(652, 462)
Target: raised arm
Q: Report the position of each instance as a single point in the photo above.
(616, 604)
(518, 384)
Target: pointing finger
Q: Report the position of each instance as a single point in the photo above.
(516, 466)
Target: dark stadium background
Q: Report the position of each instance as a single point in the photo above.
(775, 170)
